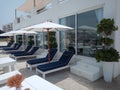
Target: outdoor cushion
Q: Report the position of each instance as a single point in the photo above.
(50, 66)
(25, 51)
(10, 48)
(63, 61)
(45, 59)
(34, 49)
(16, 47)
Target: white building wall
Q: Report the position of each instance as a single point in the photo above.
(117, 21)
(70, 7)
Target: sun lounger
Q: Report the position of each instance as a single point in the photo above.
(35, 62)
(10, 48)
(14, 49)
(26, 55)
(4, 77)
(18, 52)
(62, 63)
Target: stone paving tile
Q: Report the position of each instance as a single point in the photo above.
(67, 80)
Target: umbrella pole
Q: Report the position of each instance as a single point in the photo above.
(48, 44)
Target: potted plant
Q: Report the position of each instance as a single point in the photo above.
(107, 54)
(53, 42)
(30, 40)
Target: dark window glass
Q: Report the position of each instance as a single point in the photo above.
(67, 37)
(87, 38)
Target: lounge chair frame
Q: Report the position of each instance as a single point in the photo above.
(35, 65)
(28, 56)
(25, 56)
(50, 71)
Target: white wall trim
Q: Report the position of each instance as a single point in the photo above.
(83, 10)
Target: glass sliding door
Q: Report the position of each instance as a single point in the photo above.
(52, 37)
(87, 38)
(84, 36)
(67, 37)
(39, 39)
(19, 39)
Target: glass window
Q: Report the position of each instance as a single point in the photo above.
(87, 38)
(19, 38)
(39, 39)
(30, 40)
(67, 37)
(52, 37)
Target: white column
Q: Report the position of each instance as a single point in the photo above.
(117, 38)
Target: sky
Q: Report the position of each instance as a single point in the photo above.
(7, 9)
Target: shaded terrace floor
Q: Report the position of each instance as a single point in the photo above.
(69, 81)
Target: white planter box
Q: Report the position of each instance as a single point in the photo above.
(87, 71)
(116, 69)
(108, 71)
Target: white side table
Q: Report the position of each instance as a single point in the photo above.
(7, 64)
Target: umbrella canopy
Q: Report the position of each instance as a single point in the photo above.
(11, 33)
(24, 32)
(6, 34)
(48, 26)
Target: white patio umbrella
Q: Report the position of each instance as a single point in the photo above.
(11, 33)
(6, 34)
(25, 32)
(47, 26)
(18, 32)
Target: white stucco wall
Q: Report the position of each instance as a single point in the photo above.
(117, 21)
(110, 10)
(68, 8)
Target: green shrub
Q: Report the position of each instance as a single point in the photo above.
(108, 54)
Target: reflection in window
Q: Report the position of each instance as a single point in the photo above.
(30, 40)
(52, 36)
(39, 38)
(87, 38)
(19, 38)
(67, 38)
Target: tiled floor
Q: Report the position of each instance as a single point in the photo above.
(69, 81)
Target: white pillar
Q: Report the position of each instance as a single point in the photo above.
(117, 37)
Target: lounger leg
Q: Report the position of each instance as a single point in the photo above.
(12, 68)
(26, 65)
(30, 68)
(36, 71)
(43, 76)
